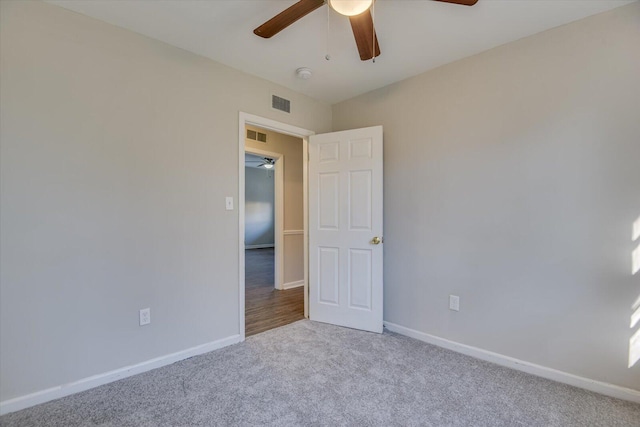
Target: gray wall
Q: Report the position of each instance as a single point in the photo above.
(117, 152)
(259, 207)
(512, 179)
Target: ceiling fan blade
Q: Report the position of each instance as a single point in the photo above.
(287, 17)
(462, 2)
(364, 33)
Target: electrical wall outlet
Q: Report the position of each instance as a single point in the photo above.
(454, 302)
(145, 316)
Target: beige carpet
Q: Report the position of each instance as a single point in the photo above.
(312, 374)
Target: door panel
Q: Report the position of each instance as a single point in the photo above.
(360, 279)
(345, 214)
(328, 276)
(329, 201)
(359, 205)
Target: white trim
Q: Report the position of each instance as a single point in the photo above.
(278, 259)
(293, 232)
(262, 246)
(245, 119)
(292, 285)
(520, 365)
(241, 184)
(63, 390)
(273, 125)
(305, 224)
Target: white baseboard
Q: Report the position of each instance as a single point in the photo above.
(292, 285)
(26, 401)
(520, 365)
(266, 245)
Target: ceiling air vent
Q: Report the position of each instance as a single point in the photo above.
(262, 137)
(280, 104)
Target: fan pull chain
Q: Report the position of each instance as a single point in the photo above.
(327, 56)
(373, 20)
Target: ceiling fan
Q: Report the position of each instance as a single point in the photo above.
(359, 15)
(264, 162)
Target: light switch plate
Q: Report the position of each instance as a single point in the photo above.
(229, 203)
(145, 316)
(454, 302)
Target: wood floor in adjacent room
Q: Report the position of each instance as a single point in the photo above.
(265, 307)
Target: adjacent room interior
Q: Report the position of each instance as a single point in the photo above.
(509, 141)
(274, 268)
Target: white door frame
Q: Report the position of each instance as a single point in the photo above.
(250, 119)
(278, 220)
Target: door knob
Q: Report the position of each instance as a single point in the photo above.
(376, 240)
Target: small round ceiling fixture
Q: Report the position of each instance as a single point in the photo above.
(304, 73)
(350, 7)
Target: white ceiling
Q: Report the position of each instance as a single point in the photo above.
(414, 35)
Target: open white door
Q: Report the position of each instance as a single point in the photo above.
(345, 228)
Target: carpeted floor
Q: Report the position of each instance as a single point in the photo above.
(313, 374)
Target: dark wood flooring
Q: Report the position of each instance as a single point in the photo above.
(265, 307)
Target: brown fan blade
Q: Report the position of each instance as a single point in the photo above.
(364, 33)
(462, 2)
(287, 17)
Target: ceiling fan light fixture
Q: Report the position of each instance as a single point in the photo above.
(350, 7)
(268, 163)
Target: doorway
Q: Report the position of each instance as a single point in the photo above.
(346, 163)
(273, 237)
